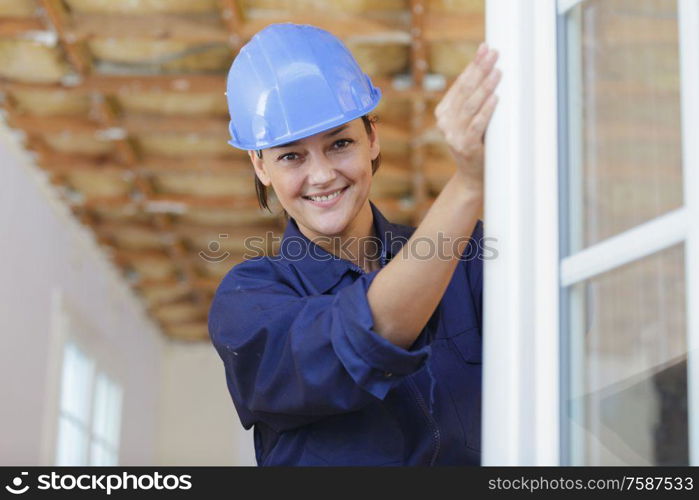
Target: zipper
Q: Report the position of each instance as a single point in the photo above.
(430, 420)
(418, 396)
(382, 262)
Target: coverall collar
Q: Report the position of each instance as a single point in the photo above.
(322, 268)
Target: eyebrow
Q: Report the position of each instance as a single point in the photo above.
(295, 143)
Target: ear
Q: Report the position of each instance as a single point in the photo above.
(374, 146)
(260, 169)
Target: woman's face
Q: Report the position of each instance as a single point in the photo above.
(323, 180)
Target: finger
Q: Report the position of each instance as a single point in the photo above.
(482, 49)
(475, 101)
(472, 75)
(466, 86)
(480, 122)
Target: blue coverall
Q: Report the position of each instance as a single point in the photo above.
(304, 365)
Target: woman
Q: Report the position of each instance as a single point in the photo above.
(360, 343)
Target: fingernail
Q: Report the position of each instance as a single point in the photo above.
(481, 48)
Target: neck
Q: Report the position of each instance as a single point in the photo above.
(351, 244)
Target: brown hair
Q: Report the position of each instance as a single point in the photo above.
(261, 189)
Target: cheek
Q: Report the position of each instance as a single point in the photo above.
(287, 184)
(358, 168)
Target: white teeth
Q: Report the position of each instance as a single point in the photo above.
(326, 198)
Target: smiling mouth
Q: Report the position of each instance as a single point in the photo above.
(329, 197)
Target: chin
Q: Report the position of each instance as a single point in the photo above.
(327, 224)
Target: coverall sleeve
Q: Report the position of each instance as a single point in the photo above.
(292, 359)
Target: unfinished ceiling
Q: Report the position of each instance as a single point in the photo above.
(123, 105)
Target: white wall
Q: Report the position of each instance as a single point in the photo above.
(176, 407)
(199, 424)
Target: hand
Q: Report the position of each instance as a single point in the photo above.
(464, 112)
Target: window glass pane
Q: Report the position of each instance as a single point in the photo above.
(100, 412)
(75, 383)
(72, 443)
(623, 117)
(107, 412)
(626, 368)
(100, 454)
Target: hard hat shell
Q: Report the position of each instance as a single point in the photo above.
(292, 81)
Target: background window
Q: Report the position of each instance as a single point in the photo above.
(90, 413)
(624, 329)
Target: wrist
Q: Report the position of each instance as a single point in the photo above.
(465, 189)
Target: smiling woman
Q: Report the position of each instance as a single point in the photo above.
(261, 189)
(323, 180)
(360, 343)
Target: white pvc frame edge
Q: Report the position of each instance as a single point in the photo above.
(521, 286)
(565, 5)
(641, 241)
(688, 18)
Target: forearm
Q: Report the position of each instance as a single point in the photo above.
(405, 293)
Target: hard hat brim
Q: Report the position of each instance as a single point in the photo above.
(322, 127)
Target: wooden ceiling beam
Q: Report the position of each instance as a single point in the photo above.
(129, 84)
(418, 69)
(14, 27)
(55, 124)
(131, 124)
(342, 25)
(57, 15)
(232, 16)
(125, 84)
(200, 125)
(151, 162)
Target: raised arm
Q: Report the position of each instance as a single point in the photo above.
(291, 359)
(406, 292)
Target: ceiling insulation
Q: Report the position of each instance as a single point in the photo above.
(123, 104)
(18, 8)
(50, 102)
(144, 55)
(31, 62)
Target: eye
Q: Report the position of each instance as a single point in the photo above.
(286, 155)
(343, 142)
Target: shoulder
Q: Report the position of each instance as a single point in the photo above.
(252, 273)
(247, 291)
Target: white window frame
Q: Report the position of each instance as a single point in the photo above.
(520, 296)
(689, 71)
(522, 374)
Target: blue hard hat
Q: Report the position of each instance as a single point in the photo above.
(291, 81)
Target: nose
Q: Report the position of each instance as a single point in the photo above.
(320, 170)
